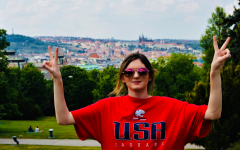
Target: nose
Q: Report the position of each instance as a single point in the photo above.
(135, 74)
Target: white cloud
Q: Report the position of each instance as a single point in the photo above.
(189, 7)
(128, 1)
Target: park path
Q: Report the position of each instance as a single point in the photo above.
(68, 142)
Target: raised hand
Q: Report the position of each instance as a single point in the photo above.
(52, 65)
(220, 55)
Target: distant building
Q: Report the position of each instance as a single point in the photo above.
(15, 60)
(93, 57)
(143, 39)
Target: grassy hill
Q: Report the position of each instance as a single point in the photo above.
(25, 44)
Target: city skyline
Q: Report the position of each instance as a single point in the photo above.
(104, 19)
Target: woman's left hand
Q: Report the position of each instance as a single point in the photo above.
(220, 55)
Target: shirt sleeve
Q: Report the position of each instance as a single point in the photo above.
(195, 125)
(88, 121)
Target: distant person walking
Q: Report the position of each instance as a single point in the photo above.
(139, 120)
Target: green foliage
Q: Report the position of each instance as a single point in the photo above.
(214, 28)
(32, 84)
(3, 45)
(236, 145)
(225, 130)
(106, 83)
(28, 108)
(95, 75)
(8, 93)
(176, 75)
(77, 89)
(131, 47)
(48, 107)
(231, 26)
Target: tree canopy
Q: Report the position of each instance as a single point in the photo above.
(176, 75)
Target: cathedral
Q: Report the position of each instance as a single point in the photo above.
(143, 39)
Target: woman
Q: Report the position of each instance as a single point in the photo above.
(139, 120)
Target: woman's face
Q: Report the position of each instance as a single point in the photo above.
(136, 83)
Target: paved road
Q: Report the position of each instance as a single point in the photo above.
(67, 142)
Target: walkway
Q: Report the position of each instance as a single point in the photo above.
(67, 142)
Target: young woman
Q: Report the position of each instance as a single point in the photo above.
(139, 120)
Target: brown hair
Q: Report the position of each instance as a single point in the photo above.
(122, 89)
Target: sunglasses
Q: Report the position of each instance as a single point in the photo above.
(129, 72)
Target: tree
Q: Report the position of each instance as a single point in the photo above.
(8, 107)
(106, 83)
(33, 85)
(176, 75)
(3, 44)
(78, 87)
(214, 28)
(231, 26)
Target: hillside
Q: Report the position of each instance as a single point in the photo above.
(25, 44)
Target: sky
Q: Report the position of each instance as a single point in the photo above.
(118, 19)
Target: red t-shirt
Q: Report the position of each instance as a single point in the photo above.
(153, 123)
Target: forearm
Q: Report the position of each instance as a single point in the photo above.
(62, 112)
(215, 98)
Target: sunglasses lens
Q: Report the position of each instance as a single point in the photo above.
(128, 72)
(142, 71)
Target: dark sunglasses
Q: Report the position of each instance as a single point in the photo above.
(130, 71)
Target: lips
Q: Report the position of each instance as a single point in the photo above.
(136, 82)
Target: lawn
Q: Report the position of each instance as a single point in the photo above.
(18, 128)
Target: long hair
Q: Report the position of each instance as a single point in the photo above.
(121, 88)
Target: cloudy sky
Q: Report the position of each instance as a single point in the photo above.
(120, 19)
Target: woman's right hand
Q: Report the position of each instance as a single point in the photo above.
(52, 65)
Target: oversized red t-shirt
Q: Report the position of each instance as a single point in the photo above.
(131, 123)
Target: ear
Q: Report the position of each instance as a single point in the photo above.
(149, 79)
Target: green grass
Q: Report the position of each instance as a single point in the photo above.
(43, 147)
(18, 128)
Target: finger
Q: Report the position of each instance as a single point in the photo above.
(56, 55)
(50, 52)
(225, 44)
(223, 58)
(44, 63)
(221, 66)
(47, 67)
(225, 52)
(215, 43)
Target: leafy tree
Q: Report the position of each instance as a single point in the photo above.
(225, 131)
(233, 21)
(78, 87)
(8, 107)
(48, 107)
(106, 83)
(3, 44)
(94, 75)
(32, 85)
(176, 75)
(214, 28)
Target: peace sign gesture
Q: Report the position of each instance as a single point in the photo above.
(52, 65)
(220, 55)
